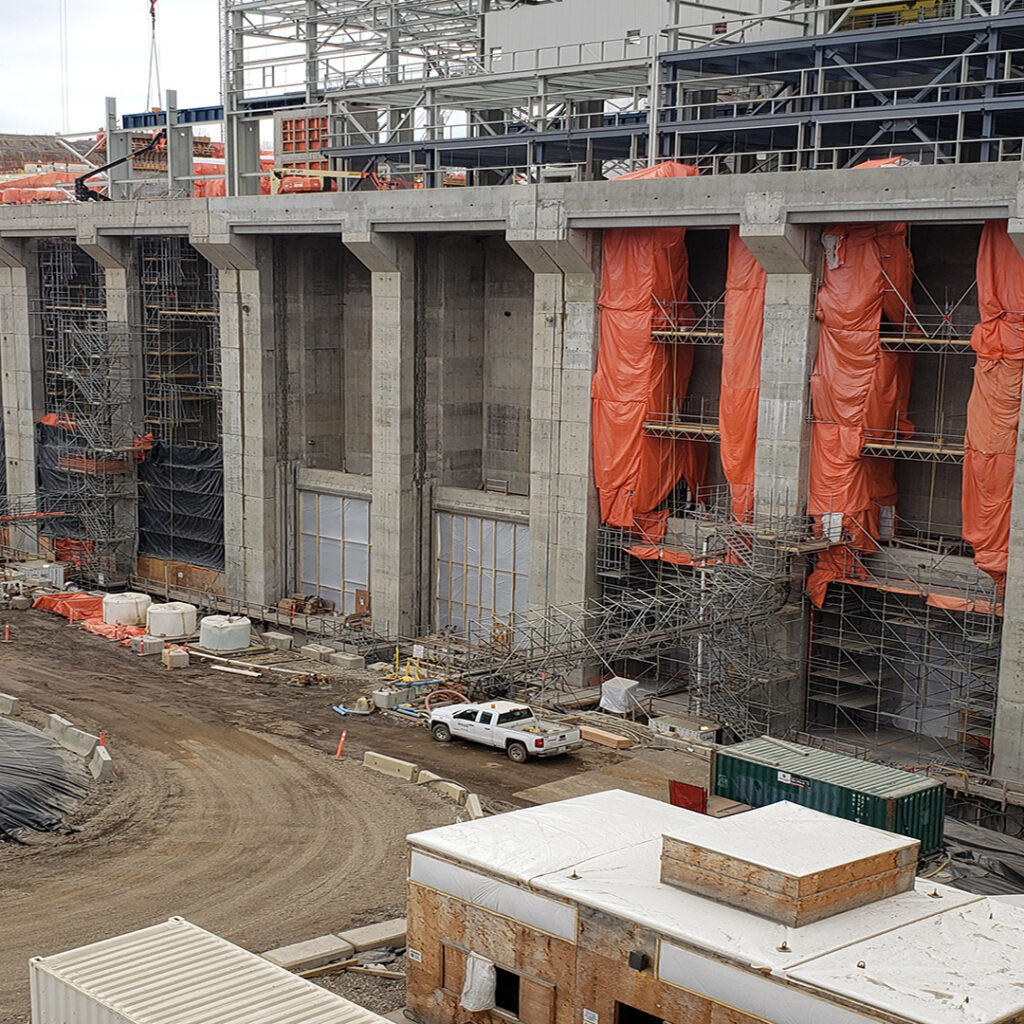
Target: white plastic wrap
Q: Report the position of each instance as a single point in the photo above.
(538, 912)
(618, 695)
(335, 547)
(481, 981)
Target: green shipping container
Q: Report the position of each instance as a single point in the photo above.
(766, 770)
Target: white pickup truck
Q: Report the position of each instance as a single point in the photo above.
(510, 727)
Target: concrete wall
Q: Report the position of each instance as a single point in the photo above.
(322, 322)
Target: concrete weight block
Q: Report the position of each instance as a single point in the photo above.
(279, 641)
(343, 659)
(316, 652)
(101, 765)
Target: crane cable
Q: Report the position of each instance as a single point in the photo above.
(154, 62)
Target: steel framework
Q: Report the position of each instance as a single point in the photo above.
(86, 456)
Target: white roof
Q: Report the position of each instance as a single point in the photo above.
(923, 949)
(177, 973)
(788, 838)
(537, 840)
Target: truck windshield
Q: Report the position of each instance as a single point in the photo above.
(515, 715)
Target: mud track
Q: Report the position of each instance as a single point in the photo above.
(229, 808)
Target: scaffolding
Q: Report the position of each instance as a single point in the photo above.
(86, 441)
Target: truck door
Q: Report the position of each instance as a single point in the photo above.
(463, 723)
(485, 728)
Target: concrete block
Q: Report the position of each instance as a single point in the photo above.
(279, 641)
(9, 705)
(316, 652)
(20, 602)
(473, 806)
(57, 726)
(147, 645)
(78, 742)
(373, 936)
(174, 658)
(452, 790)
(343, 659)
(304, 956)
(101, 765)
(391, 766)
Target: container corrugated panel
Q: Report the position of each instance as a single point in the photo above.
(177, 973)
(764, 771)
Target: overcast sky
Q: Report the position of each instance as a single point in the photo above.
(108, 55)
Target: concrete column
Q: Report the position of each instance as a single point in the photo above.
(21, 369)
(563, 499)
(399, 513)
(253, 533)
(788, 254)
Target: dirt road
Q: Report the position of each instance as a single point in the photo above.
(229, 808)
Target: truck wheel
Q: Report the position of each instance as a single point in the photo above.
(441, 732)
(516, 752)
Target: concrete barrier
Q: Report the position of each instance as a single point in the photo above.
(373, 936)
(305, 956)
(450, 789)
(391, 766)
(57, 727)
(101, 764)
(9, 705)
(474, 807)
(79, 742)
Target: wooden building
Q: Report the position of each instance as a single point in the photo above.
(617, 909)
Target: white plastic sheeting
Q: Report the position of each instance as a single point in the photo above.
(546, 915)
(618, 695)
(481, 571)
(548, 837)
(480, 985)
(748, 992)
(335, 542)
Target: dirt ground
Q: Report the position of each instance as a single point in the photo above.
(229, 809)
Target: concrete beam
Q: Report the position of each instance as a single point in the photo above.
(779, 246)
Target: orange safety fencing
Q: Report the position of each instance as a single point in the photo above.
(741, 373)
(635, 378)
(857, 390)
(993, 410)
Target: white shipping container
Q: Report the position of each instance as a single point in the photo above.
(177, 973)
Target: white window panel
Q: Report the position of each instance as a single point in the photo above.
(480, 572)
(334, 547)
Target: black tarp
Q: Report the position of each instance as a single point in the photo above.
(3, 461)
(56, 487)
(982, 861)
(38, 787)
(181, 504)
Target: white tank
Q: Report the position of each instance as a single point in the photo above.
(127, 609)
(173, 620)
(224, 632)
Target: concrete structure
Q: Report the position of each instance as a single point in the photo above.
(559, 911)
(403, 384)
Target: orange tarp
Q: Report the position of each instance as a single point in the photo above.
(111, 630)
(741, 373)
(857, 390)
(635, 378)
(993, 410)
(72, 606)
